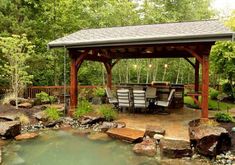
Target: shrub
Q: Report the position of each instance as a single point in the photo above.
(83, 108)
(228, 89)
(213, 94)
(100, 92)
(24, 119)
(224, 117)
(6, 99)
(44, 97)
(53, 113)
(108, 112)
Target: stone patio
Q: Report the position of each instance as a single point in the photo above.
(175, 123)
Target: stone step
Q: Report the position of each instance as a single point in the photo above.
(126, 134)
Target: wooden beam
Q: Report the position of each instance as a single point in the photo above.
(108, 67)
(205, 85)
(73, 85)
(115, 62)
(196, 78)
(193, 65)
(193, 53)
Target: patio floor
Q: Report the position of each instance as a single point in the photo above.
(175, 123)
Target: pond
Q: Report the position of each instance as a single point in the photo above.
(68, 148)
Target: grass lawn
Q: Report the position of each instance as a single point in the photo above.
(213, 104)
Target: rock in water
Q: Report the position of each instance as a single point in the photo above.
(147, 147)
(10, 129)
(26, 136)
(175, 148)
(210, 140)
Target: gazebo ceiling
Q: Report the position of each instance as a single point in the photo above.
(207, 31)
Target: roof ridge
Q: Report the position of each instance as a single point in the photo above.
(112, 27)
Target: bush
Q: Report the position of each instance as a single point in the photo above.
(213, 94)
(83, 108)
(108, 112)
(228, 89)
(44, 97)
(100, 92)
(224, 117)
(53, 113)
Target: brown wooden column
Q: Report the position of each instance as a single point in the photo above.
(205, 85)
(77, 59)
(73, 85)
(108, 67)
(196, 78)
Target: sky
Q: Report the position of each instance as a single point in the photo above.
(224, 6)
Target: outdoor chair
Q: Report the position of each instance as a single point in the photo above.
(139, 99)
(165, 104)
(124, 99)
(151, 96)
(112, 100)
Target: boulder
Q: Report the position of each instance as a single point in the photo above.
(209, 140)
(10, 129)
(107, 125)
(41, 116)
(90, 120)
(51, 124)
(120, 124)
(8, 117)
(158, 137)
(147, 147)
(152, 130)
(20, 100)
(175, 148)
(25, 105)
(26, 136)
(126, 134)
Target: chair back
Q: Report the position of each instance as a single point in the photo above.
(139, 99)
(108, 93)
(151, 92)
(123, 96)
(170, 97)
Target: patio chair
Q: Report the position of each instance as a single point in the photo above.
(151, 96)
(112, 100)
(139, 99)
(165, 104)
(124, 100)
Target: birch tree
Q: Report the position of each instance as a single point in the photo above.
(16, 49)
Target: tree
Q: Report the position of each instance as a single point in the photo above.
(17, 49)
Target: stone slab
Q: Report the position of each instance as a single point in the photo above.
(126, 134)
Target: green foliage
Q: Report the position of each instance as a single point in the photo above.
(84, 107)
(224, 117)
(108, 112)
(213, 94)
(45, 98)
(100, 92)
(212, 104)
(53, 113)
(228, 89)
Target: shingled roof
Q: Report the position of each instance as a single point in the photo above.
(179, 32)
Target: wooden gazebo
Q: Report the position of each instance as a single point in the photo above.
(167, 40)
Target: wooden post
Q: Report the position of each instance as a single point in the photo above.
(108, 67)
(76, 62)
(205, 86)
(73, 85)
(196, 78)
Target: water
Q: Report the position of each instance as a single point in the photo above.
(67, 148)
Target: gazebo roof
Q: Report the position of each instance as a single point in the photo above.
(165, 33)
